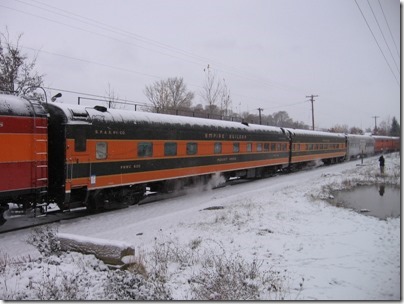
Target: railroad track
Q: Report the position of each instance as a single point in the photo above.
(28, 220)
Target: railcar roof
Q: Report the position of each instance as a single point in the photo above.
(384, 137)
(76, 112)
(15, 106)
(314, 133)
(360, 136)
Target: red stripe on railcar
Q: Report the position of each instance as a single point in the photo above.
(21, 124)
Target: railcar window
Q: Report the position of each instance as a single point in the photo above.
(218, 148)
(236, 147)
(101, 150)
(259, 147)
(278, 147)
(266, 147)
(80, 142)
(273, 147)
(145, 149)
(170, 149)
(249, 147)
(192, 148)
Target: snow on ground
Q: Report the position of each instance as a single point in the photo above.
(283, 222)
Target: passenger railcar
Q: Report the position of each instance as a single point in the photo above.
(360, 145)
(384, 144)
(102, 156)
(23, 153)
(308, 146)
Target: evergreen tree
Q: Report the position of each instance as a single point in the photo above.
(395, 128)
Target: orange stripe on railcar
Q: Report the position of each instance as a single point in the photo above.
(157, 175)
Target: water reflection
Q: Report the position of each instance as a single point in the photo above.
(381, 190)
(382, 200)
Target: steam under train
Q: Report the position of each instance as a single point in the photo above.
(101, 158)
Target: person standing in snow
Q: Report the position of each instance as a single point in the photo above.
(381, 161)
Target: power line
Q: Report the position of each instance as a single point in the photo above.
(200, 59)
(91, 62)
(95, 33)
(107, 27)
(384, 38)
(94, 95)
(374, 37)
(129, 71)
(385, 19)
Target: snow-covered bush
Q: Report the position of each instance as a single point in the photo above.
(125, 285)
(44, 238)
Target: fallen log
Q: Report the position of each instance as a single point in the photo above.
(110, 252)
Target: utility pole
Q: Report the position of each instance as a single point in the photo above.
(375, 130)
(312, 108)
(259, 111)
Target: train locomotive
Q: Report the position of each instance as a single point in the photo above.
(102, 158)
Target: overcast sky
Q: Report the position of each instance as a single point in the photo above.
(271, 53)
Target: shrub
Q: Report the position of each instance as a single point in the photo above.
(44, 238)
(124, 285)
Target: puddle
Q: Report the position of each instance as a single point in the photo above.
(381, 201)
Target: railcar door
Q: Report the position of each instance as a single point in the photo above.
(77, 163)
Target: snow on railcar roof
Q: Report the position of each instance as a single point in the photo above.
(116, 115)
(385, 137)
(359, 136)
(314, 133)
(15, 105)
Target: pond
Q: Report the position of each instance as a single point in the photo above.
(382, 201)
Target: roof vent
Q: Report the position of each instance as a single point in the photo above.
(245, 123)
(101, 108)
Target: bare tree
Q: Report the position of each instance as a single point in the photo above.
(282, 119)
(111, 97)
(225, 100)
(356, 130)
(212, 90)
(339, 129)
(17, 74)
(170, 94)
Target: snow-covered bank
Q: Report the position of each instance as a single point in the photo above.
(322, 252)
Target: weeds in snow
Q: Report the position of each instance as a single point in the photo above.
(224, 278)
(213, 275)
(364, 176)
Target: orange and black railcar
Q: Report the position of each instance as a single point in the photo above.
(102, 156)
(308, 146)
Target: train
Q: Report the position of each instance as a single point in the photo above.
(100, 158)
